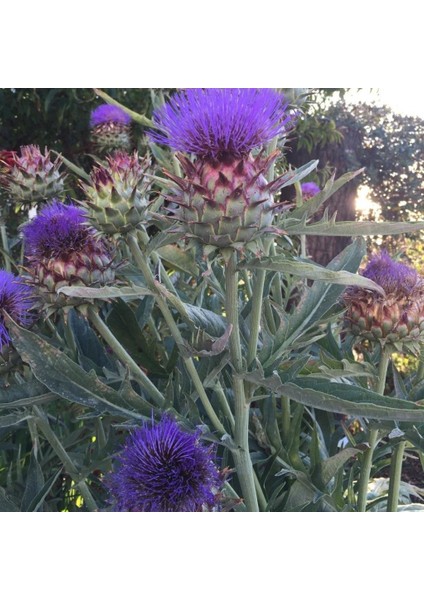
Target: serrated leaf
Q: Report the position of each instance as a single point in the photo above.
(308, 270)
(332, 465)
(341, 398)
(353, 228)
(62, 376)
(316, 301)
(315, 203)
(106, 292)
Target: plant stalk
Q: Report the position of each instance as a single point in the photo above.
(188, 361)
(71, 469)
(241, 454)
(123, 355)
(395, 476)
(373, 436)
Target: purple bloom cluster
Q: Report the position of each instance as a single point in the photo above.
(17, 300)
(309, 190)
(164, 469)
(107, 113)
(57, 231)
(394, 277)
(217, 122)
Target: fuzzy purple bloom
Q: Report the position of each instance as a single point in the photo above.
(164, 469)
(392, 276)
(106, 113)
(216, 122)
(17, 300)
(57, 231)
(309, 190)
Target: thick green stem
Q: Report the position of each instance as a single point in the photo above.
(395, 476)
(256, 312)
(241, 454)
(299, 202)
(285, 419)
(144, 238)
(5, 244)
(123, 355)
(175, 332)
(373, 436)
(43, 425)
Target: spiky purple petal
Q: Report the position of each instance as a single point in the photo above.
(309, 190)
(392, 276)
(213, 122)
(58, 230)
(17, 300)
(106, 113)
(164, 469)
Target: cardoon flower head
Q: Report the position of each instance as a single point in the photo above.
(117, 197)
(214, 123)
(17, 300)
(165, 469)
(110, 129)
(309, 190)
(225, 199)
(106, 113)
(30, 176)
(63, 249)
(397, 317)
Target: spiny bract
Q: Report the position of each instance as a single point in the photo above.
(224, 199)
(62, 250)
(117, 197)
(110, 129)
(30, 176)
(397, 317)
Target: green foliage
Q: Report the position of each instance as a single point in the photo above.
(183, 319)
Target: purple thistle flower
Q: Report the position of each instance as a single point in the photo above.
(107, 113)
(309, 190)
(393, 277)
(57, 231)
(217, 122)
(17, 300)
(164, 469)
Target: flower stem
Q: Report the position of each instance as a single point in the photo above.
(123, 355)
(43, 424)
(5, 244)
(395, 476)
(256, 313)
(373, 435)
(188, 361)
(241, 454)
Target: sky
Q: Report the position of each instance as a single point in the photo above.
(402, 99)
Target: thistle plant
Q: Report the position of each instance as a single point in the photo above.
(393, 321)
(117, 196)
(225, 199)
(30, 176)
(165, 469)
(217, 322)
(397, 318)
(17, 300)
(309, 190)
(62, 249)
(110, 129)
